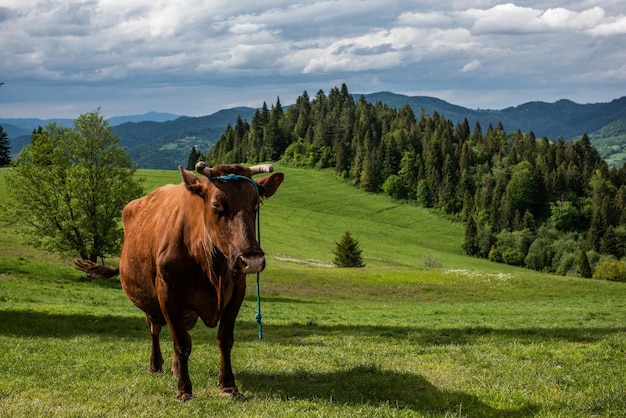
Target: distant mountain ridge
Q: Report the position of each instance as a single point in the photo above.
(162, 140)
(24, 126)
(150, 116)
(562, 118)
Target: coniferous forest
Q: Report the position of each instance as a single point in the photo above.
(543, 203)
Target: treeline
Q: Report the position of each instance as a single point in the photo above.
(552, 206)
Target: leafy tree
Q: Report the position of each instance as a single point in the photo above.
(347, 252)
(5, 148)
(539, 255)
(394, 187)
(566, 250)
(522, 188)
(564, 215)
(68, 188)
(423, 194)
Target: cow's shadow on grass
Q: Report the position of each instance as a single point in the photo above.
(43, 324)
(429, 336)
(36, 323)
(364, 385)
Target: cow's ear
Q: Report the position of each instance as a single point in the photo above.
(192, 182)
(269, 184)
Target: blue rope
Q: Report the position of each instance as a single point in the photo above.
(258, 315)
(230, 177)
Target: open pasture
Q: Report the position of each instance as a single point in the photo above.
(396, 338)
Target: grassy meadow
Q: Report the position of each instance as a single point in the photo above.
(421, 330)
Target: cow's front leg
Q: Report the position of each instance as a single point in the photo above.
(182, 350)
(225, 340)
(182, 345)
(190, 321)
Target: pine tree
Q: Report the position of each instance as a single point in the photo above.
(347, 252)
(469, 244)
(582, 265)
(194, 156)
(5, 148)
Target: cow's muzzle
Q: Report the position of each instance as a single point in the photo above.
(250, 262)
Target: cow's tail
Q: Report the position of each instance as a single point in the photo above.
(95, 270)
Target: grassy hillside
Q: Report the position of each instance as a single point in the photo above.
(395, 338)
(312, 209)
(610, 141)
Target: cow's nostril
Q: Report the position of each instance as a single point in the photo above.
(252, 264)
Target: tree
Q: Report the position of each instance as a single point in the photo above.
(522, 188)
(582, 265)
(5, 148)
(347, 252)
(469, 243)
(394, 187)
(69, 185)
(194, 156)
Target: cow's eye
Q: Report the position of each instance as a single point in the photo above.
(218, 207)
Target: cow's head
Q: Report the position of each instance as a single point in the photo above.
(231, 201)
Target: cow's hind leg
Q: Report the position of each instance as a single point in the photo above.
(156, 358)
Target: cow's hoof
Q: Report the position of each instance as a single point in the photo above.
(232, 393)
(184, 397)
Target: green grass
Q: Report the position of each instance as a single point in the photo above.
(392, 339)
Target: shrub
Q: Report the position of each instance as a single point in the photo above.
(430, 261)
(513, 257)
(566, 264)
(495, 254)
(611, 269)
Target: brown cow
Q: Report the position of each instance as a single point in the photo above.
(186, 252)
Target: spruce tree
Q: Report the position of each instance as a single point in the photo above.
(5, 148)
(469, 244)
(194, 156)
(347, 252)
(582, 265)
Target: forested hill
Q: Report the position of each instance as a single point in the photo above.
(165, 145)
(165, 142)
(548, 205)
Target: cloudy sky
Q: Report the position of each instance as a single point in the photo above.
(190, 57)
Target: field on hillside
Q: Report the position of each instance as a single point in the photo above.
(396, 338)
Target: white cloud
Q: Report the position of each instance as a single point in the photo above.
(471, 66)
(616, 26)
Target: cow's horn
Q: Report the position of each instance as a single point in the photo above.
(261, 168)
(202, 168)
